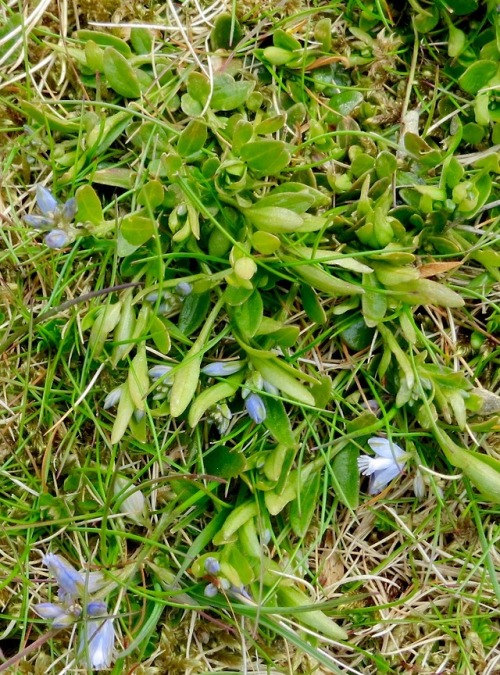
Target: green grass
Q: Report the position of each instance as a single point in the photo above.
(327, 185)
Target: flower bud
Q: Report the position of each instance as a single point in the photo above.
(212, 566)
(113, 398)
(222, 368)
(183, 288)
(210, 591)
(46, 201)
(57, 238)
(255, 408)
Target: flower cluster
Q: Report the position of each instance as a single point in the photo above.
(56, 218)
(97, 634)
(170, 300)
(389, 462)
(254, 404)
(212, 568)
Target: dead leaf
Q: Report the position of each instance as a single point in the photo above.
(432, 269)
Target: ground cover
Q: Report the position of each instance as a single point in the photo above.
(249, 349)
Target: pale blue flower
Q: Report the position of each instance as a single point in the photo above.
(382, 469)
(212, 565)
(46, 201)
(210, 591)
(97, 637)
(183, 288)
(222, 368)
(157, 372)
(57, 239)
(56, 218)
(60, 616)
(113, 398)
(71, 583)
(255, 408)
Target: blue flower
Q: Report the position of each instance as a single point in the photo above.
(222, 368)
(97, 637)
(255, 408)
(57, 239)
(212, 565)
(56, 218)
(382, 469)
(97, 634)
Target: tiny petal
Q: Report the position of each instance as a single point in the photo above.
(183, 288)
(57, 239)
(156, 372)
(38, 222)
(131, 501)
(385, 466)
(97, 640)
(45, 200)
(255, 408)
(222, 368)
(385, 448)
(71, 582)
(419, 487)
(139, 415)
(212, 565)
(210, 591)
(113, 398)
(69, 210)
(58, 615)
(97, 608)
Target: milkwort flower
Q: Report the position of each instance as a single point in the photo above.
(56, 218)
(97, 635)
(389, 462)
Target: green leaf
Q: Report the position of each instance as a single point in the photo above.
(123, 415)
(151, 194)
(278, 422)
(248, 315)
(428, 292)
(293, 201)
(106, 321)
(313, 618)
(226, 32)
(234, 521)
(219, 462)
(274, 219)
(193, 313)
(346, 476)
(89, 206)
(120, 74)
(104, 40)
(138, 379)
(312, 305)
(141, 39)
(343, 104)
(185, 382)
(198, 87)
(228, 94)
(160, 335)
(321, 280)
(283, 379)
(267, 157)
(477, 76)
(192, 139)
(137, 229)
(303, 508)
(211, 396)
